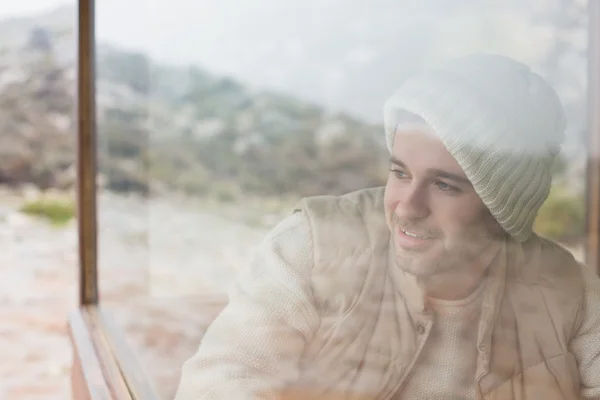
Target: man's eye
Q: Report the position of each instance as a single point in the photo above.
(399, 173)
(445, 187)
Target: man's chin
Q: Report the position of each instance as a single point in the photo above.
(416, 265)
(407, 253)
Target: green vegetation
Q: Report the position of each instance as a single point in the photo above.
(57, 211)
(562, 216)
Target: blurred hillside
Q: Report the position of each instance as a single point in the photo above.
(165, 128)
(181, 128)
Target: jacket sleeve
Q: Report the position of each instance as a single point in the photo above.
(252, 348)
(585, 345)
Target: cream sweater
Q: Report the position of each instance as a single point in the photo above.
(449, 354)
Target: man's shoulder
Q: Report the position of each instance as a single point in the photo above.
(346, 223)
(361, 202)
(349, 238)
(542, 261)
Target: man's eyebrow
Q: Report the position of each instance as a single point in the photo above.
(450, 175)
(394, 160)
(434, 171)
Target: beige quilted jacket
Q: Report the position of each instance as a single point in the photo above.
(328, 317)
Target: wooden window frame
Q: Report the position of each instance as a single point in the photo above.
(593, 163)
(104, 367)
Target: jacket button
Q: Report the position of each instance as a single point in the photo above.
(420, 329)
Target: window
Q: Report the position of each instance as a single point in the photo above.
(37, 229)
(212, 119)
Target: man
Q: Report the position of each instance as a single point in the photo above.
(433, 287)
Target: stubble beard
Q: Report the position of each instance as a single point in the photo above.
(443, 257)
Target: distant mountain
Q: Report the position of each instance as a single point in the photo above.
(165, 128)
(176, 128)
(190, 129)
(187, 128)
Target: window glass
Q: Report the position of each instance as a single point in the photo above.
(38, 239)
(216, 118)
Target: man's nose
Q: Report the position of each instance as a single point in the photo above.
(413, 203)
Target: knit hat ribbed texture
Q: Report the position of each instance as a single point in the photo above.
(502, 123)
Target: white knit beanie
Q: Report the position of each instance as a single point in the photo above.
(502, 123)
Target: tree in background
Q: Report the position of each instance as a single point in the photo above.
(562, 217)
(36, 124)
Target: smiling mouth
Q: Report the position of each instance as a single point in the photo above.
(414, 235)
(412, 241)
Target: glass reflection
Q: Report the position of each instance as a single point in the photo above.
(215, 120)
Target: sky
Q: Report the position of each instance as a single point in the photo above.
(347, 54)
(19, 8)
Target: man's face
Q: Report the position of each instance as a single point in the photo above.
(437, 221)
